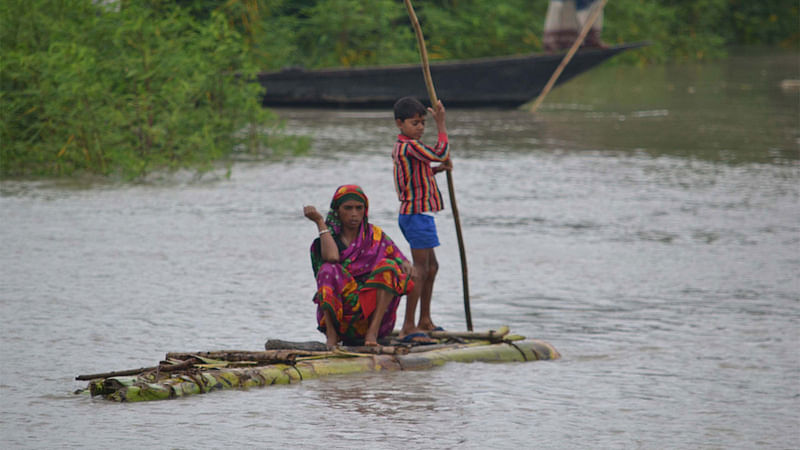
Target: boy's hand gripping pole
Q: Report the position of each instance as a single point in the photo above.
(426, 71)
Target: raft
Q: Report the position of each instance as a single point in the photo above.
(189, 373)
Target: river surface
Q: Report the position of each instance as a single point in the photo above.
(646, 222)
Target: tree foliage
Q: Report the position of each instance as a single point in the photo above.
(323, 33)
(125, 87)
(123, 90)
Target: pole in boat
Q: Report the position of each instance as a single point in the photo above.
(598, 8)
(426, 71)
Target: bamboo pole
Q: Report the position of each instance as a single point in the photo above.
(491, 335)
(426, 72)
(598, 8)
(278, 344)
(161, 367)
(266, 356)
(376, 350)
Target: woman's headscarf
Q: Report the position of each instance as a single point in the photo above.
(361, 256)
(343, 194)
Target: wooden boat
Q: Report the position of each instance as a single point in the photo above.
(487, 82)
(183, 374)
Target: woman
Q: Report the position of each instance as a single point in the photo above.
(360, 273)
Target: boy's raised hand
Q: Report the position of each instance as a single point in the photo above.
(438, 114)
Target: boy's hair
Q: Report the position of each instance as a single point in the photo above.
(408, 107)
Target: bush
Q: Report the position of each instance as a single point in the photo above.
(324, 33)
(123, 91)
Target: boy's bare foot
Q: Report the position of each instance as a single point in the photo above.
(419, 337)
(406, 331)
(426, 326)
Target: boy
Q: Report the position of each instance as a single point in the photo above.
(419, 198)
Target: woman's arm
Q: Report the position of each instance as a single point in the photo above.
(328, 249)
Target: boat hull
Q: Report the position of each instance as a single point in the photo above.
(488, 82)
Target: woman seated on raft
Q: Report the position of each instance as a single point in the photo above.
(360, 272)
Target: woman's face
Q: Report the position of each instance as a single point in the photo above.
(351, 213)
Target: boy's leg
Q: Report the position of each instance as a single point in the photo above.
(420, 257)
(426, 293)
(409, 321)
(420, 231)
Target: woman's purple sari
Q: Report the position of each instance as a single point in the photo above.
(348, 288)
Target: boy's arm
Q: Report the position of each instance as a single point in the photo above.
(445, 165)
(418, 150)
(439, 153)
(439, 117)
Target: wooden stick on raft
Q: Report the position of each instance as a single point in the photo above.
(162, 368)
(489, 335)
(575, 45)
(426, 71)
(277, 344)
(377, 350)
(266, 356)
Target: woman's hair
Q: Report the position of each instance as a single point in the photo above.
(408, 107)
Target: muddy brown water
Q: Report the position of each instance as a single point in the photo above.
(646, 223)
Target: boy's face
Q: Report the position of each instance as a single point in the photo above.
(412, 127)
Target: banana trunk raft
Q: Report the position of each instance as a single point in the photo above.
(182, 374)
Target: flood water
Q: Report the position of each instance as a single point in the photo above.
(646, 222)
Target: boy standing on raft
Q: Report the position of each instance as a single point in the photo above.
(419, 198)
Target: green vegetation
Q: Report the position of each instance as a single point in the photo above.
(123, 88)
(322, 33)
(124, 91)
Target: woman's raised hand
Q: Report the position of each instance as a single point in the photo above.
(312, 214)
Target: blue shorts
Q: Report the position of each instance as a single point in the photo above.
(419, 230)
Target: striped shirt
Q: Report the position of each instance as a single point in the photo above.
(413, 176)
